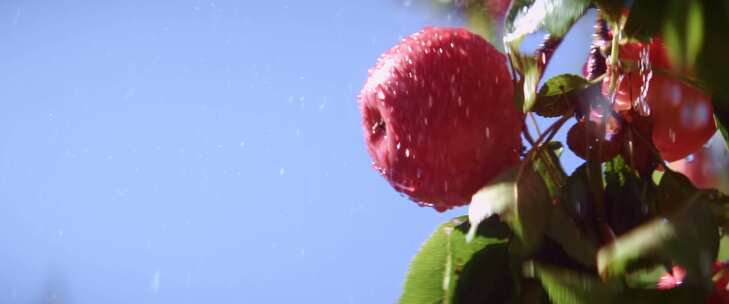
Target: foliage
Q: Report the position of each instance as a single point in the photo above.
(608, 230)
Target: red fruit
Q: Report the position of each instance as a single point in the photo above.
(721, 293)
(585, 137)
(497, 8)
(439, 117)
(636, 149)
(672, 280)
(700, 168)
(682, 115)
(706, 168)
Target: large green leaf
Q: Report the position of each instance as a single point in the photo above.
(448, 268)
(554, 16)
(685, 233)
(525, 17)
(563, 230)
(646, 18)
(522, 201)
(628, 197)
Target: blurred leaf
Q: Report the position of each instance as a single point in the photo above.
(685, 233)
(628, 197)
(520, 201)
(719, 203)
(674, 192)
(721, 115)
(645, 278)
(569, 236)
(556, 97)
(617, 258)
(723, 249)
(447, 266)
(578, 203)
(554, 16)
(611, 8)
(567, 287)
(646, 18)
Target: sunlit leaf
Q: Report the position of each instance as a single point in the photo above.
(448, 267)
(554, 16)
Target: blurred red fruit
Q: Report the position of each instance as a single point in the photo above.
(682, 115)
(586, 137)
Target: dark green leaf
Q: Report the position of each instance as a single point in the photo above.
(563, 230)
(628, 197)
(721, 115)
(686, 233)
(556, 97)
(447, 265)
(522, 201)
(646, 19)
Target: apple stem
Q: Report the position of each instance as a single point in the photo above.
(527, 135)
(536, 149)
(536, 125)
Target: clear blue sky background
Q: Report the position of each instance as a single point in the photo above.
(199, 152)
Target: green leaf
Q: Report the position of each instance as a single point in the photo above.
(723, 249)
(522, 201)
(563, 230)
(556, 97)
(568, 287)
(628, 197)
(448, 267)
(646, 19)
(554, 16)
(579, 204)
(685, 233)
(721, 115)
(549, 168)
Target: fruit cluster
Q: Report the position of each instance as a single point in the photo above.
(443, 116)
(651, 109)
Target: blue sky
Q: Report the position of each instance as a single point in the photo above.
(200, 152)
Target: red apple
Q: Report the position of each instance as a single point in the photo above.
(439, 117)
